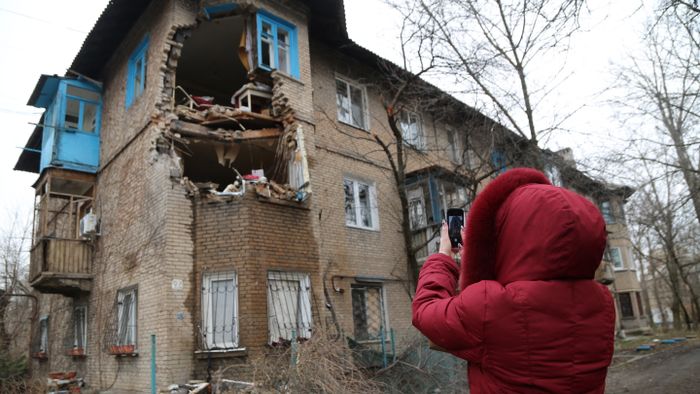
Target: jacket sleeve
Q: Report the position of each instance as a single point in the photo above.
(453, 322)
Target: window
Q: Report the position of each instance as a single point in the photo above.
(80, 327)
(277, 44)
(44, 334)
(416, 208)
(360, 204)
(220, 310)
(368, 311)
(136, 72)
(454, 147)
(352, 103)
(126, 316)
(606, 211)
(411, 129)
(553, 174)
(616, 258)
(82, 109)
(625, 305)
(288, 306)
(498, 160)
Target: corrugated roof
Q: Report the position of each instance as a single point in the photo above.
(109, 31)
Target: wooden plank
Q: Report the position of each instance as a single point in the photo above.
(199, 131)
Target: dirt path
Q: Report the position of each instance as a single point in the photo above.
(674, 370)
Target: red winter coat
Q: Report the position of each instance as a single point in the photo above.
(531, 318)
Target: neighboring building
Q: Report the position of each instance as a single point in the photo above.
(151, 226)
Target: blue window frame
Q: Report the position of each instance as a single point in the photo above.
(277, 44)
(136, 73)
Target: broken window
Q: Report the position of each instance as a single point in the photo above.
(411, 129)
(80, 327)
(136, 72)
(81, 109)
(126, 317)
(625, 305)
(351, 102)
(360, 204)
(220, 310)
(277, 48)
(368, 311)
(288, 306)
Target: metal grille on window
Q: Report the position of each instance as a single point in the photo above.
(368, 312)
(219, 325)
(288, 307)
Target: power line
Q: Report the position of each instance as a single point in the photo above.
(42, 20)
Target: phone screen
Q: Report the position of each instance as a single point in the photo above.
(455, 222)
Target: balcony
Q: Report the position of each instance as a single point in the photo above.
(60, 257)
(61, 266)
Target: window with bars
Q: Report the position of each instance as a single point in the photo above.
(352, 103)
(126, 316)
(220, 310)
(80, 327)
(277, 44)
(288, 306)
(411, 129)
(136, 72)
(360, 204)
(369, 316)
(625, 305)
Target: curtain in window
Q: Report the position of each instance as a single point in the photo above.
(289, 306)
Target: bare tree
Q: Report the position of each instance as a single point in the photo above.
(491, 49)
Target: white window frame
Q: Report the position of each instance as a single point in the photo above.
(374, 211)
(612, 259)
(208, 319)
(417, 141)
(365, 112)
(128, 339)
(80, 342)
(384, 312)
(303, 317)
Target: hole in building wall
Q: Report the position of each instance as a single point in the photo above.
(210, 64)
(213, 162)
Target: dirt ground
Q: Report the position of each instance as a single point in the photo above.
(675, 369)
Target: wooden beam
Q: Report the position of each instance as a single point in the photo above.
(198, 131)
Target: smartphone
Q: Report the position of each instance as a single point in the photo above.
(455, 222)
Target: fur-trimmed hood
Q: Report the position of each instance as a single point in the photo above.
(520, 227)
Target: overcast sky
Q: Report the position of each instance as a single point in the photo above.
(43, 37)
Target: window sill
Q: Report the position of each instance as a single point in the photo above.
(374, 229)
(225, 353)
(366, 130)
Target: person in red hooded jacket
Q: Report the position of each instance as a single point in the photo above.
(529, 318)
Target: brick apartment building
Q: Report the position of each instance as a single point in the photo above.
(206, 181)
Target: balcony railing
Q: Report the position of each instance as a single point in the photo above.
(61, 266)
